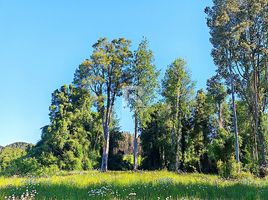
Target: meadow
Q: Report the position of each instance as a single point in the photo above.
(131, 185)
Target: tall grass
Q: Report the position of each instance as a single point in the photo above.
(132, 185)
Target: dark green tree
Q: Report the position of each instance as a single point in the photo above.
(177, 90)
(203, 109)
(70, 137)
(156, 138)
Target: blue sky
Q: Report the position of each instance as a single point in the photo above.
(43, 42)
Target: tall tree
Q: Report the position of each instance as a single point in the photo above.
(223, 52)
(177, 89)
(240, 49)
(105, 74)
(142, 91)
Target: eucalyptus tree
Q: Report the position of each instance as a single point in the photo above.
(142, 91)
(177, 89)
(221, 25)
(251, 63)
(104, 75)
(239, 37)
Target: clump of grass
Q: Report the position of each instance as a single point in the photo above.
(132, 185)
(26, 191)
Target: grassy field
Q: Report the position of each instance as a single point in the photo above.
(132, 185)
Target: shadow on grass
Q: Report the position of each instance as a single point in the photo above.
(141, 191)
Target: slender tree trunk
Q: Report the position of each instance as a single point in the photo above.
(258, 116)
(135, 146)
(255, 146)
(220, 115)
(178, 141)
(173, 144)
(177, 164)
(105, 153)
(234, 117)
(262, 145)
(183, 149)
(163, 158)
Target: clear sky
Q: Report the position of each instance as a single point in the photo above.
(43, 42)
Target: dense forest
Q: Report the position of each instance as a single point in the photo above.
(219, 129)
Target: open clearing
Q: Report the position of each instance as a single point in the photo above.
(132, 185)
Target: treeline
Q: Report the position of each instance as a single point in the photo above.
(222, 129)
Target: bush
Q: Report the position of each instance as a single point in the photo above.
(228, 169)
(129, 158)
(30, 167)
(47, 171)
(95, 160)
(71, 162)
(23, 166)
(8, 156)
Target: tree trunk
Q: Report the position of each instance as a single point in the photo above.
(262, 145)
(220, 115)
(163, 158)
(105, 153)
(178, 141)
(135, 146)
(255, 146)
(173, 145)
(258, 116)
(234, 118)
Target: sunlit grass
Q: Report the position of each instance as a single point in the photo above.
(133, 185)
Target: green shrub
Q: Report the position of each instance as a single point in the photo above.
(95, 160)
(228, 169)
(23, 166)
(71, 162)
(47, 171)
(8, 156)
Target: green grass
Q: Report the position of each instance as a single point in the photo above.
(134, 185)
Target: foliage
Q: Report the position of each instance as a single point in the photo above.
(116, 159)
(155, 139)
(180, 132)
(9, 155)
(72, 133)
(142, 92)
(201, 133)
(229, 168)
(238, 34)
(177, 90)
